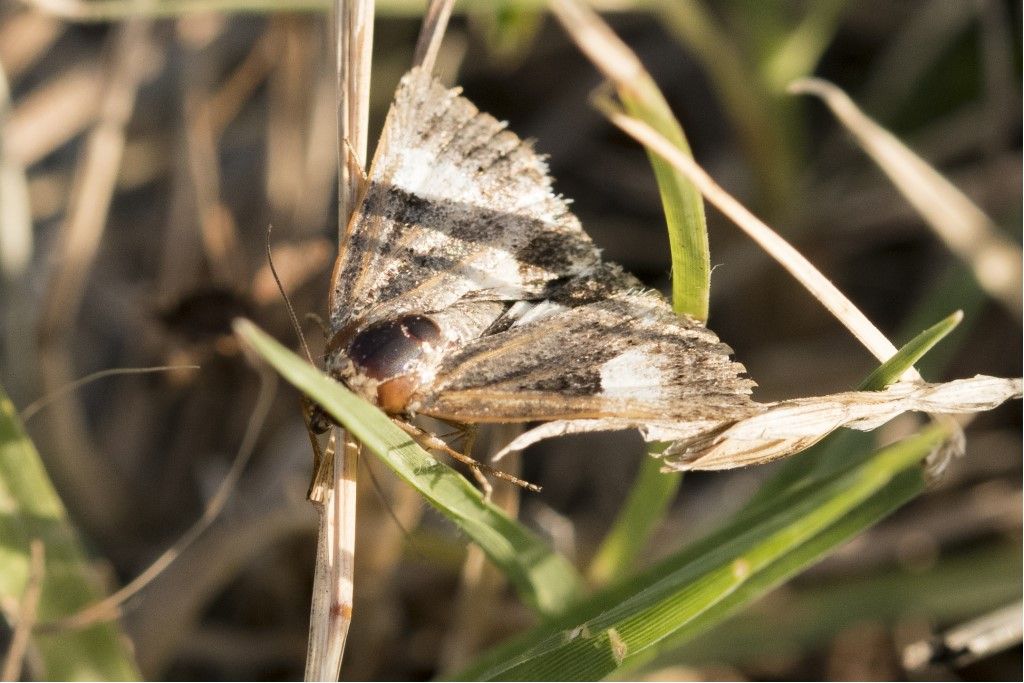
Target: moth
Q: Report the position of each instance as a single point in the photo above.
(466, 290)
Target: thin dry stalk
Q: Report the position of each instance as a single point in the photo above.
(958, 222)
(321, 161)
(354, 50)
(24, 38)
(54, 113)
(970, 642)
(333, 586)
(216, 224)
(26, 617)
(16, 248)
(15, 206)
(794, 262)
(238, 88)
(617, 62)
(289, 99)
(435, 22)
(31, 409)
(333, 580)
(96, 178)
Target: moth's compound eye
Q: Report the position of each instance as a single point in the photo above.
(388, 349)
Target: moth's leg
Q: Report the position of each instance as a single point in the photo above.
(431, 442)
(468, 439)
(318, 422)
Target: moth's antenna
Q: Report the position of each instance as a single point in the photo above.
(435, 21)
(29, 411)
(287, 301)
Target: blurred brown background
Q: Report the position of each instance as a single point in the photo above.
(202, 130)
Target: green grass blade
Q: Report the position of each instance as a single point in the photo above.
(653, 490)
(680, 200)
(32, 510)
(911, 352)
(716, 575)
(545, 580)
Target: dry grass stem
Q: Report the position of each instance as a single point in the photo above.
(54, 113)
(958, 222)
(435, 22)
(25, 619)
(333, 580)
(102, 496)
(970, 642)
(31, 409)
(599, 43)
(354, 51)
(16, 237)
(333, 587)
(96, 177)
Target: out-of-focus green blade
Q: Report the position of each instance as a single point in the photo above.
(545, 580)
(30, 509)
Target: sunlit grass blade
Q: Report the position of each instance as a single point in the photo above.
(32, 510)
(807, 618)
(715, 576)
(545, 580)
(911, 352)
(640, 96)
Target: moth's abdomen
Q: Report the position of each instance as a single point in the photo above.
(388, 356)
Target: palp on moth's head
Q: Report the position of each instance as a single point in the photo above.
(383, 360)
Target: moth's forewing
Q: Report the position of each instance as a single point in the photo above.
(456, 208)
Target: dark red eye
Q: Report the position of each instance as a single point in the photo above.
(388, 349)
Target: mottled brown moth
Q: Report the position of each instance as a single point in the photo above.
(465, 290)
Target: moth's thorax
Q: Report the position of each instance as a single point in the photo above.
(387, 361)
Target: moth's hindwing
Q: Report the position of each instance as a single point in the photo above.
(627, 357)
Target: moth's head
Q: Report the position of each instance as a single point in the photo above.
(386, 361)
